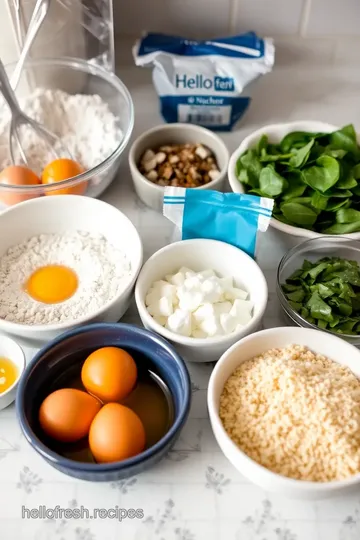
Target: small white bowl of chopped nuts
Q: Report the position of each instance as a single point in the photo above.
(283, 405)
(182, 155)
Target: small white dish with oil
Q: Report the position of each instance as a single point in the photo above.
(12, 365)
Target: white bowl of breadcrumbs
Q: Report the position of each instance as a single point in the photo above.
(284, 406)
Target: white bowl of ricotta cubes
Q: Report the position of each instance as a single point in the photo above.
(202, 295)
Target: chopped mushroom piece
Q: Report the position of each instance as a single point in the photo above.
(183, 165)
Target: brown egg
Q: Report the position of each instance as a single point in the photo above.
(17, 175)
(66, 414)
(116, 433)
(109, 374)
(63, 169)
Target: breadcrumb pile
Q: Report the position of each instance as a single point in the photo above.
(296, 413)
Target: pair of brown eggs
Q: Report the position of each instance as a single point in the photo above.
(56, 171)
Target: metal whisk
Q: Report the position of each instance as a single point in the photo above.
(39, 14)
(19, 118)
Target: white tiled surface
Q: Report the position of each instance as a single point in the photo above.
(293, 20)
(268, 17)
(347, 52)
(312, 32)
(333, 17)
(188, 17)
(194, 494)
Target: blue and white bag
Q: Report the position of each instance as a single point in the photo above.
(234, 218)
(204, 82)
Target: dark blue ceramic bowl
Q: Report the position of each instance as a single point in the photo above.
(67, 352)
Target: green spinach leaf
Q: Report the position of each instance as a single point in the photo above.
(271, 183)
(270, 158)
(301, 156)
(342, 228)
(322, 176)
(301, 137)
(347, 215)
(262, 144)
(336, 204)
(347, 179)
(318, 308)
(299, 213)
(319, 201)
(296, 188)
(345, 139)
(251, 163)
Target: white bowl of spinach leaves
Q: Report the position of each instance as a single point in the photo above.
(318, 286)
(311, 170)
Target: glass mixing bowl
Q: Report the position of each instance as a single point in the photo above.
(75, 76)
(313, 250)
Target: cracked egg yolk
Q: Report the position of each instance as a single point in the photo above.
(52, 284)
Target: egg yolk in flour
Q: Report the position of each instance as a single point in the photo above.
(52, 284)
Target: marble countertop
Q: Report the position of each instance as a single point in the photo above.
(195, 493)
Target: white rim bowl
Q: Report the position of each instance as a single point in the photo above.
(177, 133)
(167, 255)
(89, 205)
(11, 350)
(275, 133)
(250, 346)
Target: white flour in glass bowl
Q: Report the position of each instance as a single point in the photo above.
(85, 124)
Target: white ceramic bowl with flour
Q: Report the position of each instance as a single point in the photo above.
(97, 241)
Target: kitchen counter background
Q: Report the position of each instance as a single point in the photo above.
(194, 494)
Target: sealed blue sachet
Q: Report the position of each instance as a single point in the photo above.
(234, 218)
(207, 83)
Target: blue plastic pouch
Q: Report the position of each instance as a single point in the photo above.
(234, 218)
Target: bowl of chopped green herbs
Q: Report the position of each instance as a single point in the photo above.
(310, 169)
(318, 286)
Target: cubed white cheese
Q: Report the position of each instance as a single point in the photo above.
(226, 283)
(228, 322)
(191, 300)
(244, 318)
(204, 312)
(166, 306)
(176, 279)
(241, 306)
(212, 290)
(180, 322)
(211, 327)
(234, 292)
(192, 283)
(184, 270)
(222, 307)
(154, 308)
(163, 288)
(205, 274)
